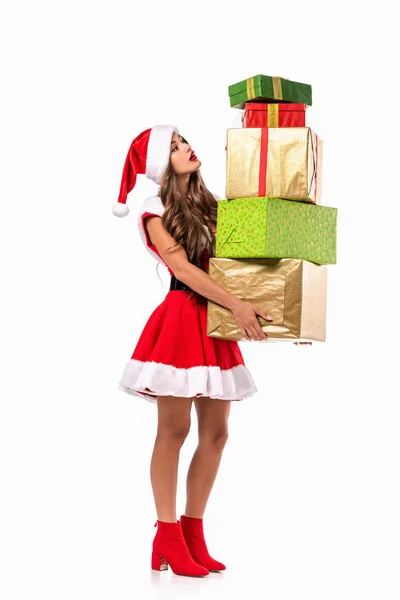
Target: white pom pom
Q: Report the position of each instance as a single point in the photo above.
(120, 209)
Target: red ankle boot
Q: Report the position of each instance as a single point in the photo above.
(169, 548)
(192, 529)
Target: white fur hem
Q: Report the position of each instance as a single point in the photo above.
(167, 380)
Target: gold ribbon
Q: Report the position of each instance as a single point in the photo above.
(273, 115)
(277, 85)
(250, 88)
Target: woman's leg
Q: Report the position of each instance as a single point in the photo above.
(212, 416)
(172, 429)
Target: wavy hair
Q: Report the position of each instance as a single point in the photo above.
(186, 218)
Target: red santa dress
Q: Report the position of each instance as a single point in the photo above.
(174, 356)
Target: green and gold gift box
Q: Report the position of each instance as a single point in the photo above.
(271, 89)
(284, 162)
(291, 291)
(276, 228)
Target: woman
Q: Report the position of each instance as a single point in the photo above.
(175, 363)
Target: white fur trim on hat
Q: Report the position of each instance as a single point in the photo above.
(158, 151)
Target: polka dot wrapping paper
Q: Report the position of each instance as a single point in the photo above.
(276, 228)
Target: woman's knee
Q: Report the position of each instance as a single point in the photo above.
(173, 418)
(174, 432)
(214, 438)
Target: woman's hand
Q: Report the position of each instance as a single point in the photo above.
(245, 315)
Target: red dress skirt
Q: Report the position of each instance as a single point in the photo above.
(174, 356)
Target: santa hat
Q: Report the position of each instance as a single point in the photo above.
(148, 154)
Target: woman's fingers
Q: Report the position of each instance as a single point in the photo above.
(253, 334)
(254, 331)
(258, 334)
(262, 313)
(244, 333)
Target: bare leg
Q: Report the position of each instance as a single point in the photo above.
(172, 429)
(212, 418)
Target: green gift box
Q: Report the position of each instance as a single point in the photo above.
(271, 89)
(276, 228)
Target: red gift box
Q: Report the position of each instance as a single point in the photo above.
(260, 114)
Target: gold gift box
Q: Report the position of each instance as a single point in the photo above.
(290, 290)
(279, 162)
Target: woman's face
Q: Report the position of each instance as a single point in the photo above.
(183, 159)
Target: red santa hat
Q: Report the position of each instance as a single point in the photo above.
(148, 154)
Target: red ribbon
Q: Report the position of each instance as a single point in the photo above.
(262, 181)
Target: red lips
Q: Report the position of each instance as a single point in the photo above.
(193, 156)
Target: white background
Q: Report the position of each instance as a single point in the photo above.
(306, 500)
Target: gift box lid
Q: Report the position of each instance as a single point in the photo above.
(273, 89)
(263, 106)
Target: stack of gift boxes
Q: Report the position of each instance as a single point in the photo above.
(273, 235)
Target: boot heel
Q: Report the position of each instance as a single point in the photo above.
(158, 563)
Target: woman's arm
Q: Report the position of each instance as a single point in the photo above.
(177, 260)
(199, 281)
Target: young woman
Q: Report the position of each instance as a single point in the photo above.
(175, 363)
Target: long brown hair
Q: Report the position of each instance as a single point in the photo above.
(185, 218)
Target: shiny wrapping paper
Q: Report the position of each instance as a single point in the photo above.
(279, 162)
(291, 291)
(276, 228)
(274, 115)
(272, 89)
